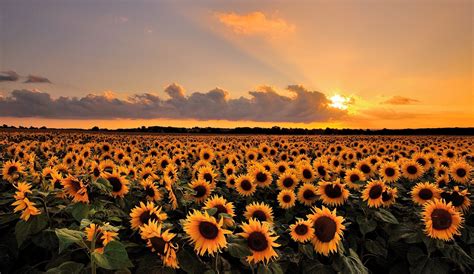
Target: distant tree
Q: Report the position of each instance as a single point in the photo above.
(95, 128)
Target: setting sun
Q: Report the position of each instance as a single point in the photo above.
(339, 101)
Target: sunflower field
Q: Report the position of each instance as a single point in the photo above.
(75, 202)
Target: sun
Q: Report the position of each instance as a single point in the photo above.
(339, 102)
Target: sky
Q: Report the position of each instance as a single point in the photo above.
(311, 64)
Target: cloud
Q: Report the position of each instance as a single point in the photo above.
(261, 106)
(254, 23)
(400, 100)
(37, 79)
(9, 76)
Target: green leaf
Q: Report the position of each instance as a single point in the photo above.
(67, 237)
(458, 256)
(306, 249)
(189, 262)
(376, 248)
(263, 269)
(211, 211)
(114, 256)
(353, 264)
(386, 216)
(67, 268)
(80, 211)
(34, 225)
(238, 250)
(365, 225)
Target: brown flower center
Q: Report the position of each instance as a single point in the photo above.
(441, 219)
(158, 245)
(425, 194)
(333, 191)
(246, 185)
(116, 184)
(308, 194)
(208, 230)
(200, 191)
(259, 215)
(412, 170)
(325, 229)
(375, 192)
(257, 241)
(389, 171)
(301, 229)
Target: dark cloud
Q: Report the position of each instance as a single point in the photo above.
(9, 76)
(264, 105)
(400, 100)
(37, 79)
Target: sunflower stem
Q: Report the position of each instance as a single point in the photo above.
(93, 266)
(216, 267)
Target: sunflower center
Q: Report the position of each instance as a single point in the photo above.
(246, 185)
(229, 171)
(321, 171)
(288, 182)
(421, 161)
(116, 184)
(307, 174)
(308, 194)
(325, 229)
(375, 192)
(257, 241)
(333, 191)
(96, 172)
(259, 215)
(365, 168)
(386, 196)
(200, 191)
(206, 156)
(208, 230)
(425, 194)
(146, 216)
(261, 177)
(76, 185)
(164, 164)
(457, 199)
(441, 219)
(281, 169)
(286, 198)
(389, 171)
(149, 191)
(12, 170)
(207, 177)
(301, 229)
(158, 245)
(412, 170)
(354, 178)
(220, 209)
(461, 172)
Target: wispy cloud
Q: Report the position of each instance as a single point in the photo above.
(37, 79)
(261, 106)
(400, 100)
(9, 76)
(254, 23)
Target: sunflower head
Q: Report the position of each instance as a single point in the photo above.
(286, 199)
(307, 194)
(372, 193)
(302, 231)
(442, 220)
(328, 230)
(260, 241)
(259, 211)
(332, 193)
(424, 192)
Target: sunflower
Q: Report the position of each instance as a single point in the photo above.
(12, 170)
(281, 167)
(207, 173)
(389, 172)
(353, 178)
(107, 166)
(147, 172)
(389, 196)
(230, 181)
(286, 199)
(100, 235)
(245, 186)
(141, 214)
(170, 174)
(366, 167)
(332, 193)
(206, 154)
(205, 233)
(202, 190)
(160, 242)
(259, 211)
(307, 194)
(222, 206)
(459, 199)
(163, 162)
(152, 192)
(287, 180)
(372, 193)
(229, 170)
(27, 207)
(460, 172)
(328, 230)
(412, 170)
(95, 170)
(305, 172)
(321, 169)
(424, 192)
(260, 241)
(119, 184)
(261, 176)
(302, 231)
(75, 189)
(442, 220)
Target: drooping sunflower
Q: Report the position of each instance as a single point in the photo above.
(302, 231)
(12, 170)
(119, 184)
(260, 241)
(259, 211)
(424, 192)
(460, 172)
(245, 185)
(328, 230)
(160, 242)
(389, 195)
(205, 233)
(75, 189)
(152, 192)
(102, 236)
(458, 198)
(332, 193)
(390, 172)
(442, 220)
(321, 169)
(261, 176)
(412, 170)
(142, 213)
(287, 180)
(286, 199)
(202, 190)
(222, 206)
(353, 178)
(27, 207)
(307, 194)
(372, 193)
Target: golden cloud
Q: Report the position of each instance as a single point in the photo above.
(255, 23)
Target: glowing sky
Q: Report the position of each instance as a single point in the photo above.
(357, 64)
